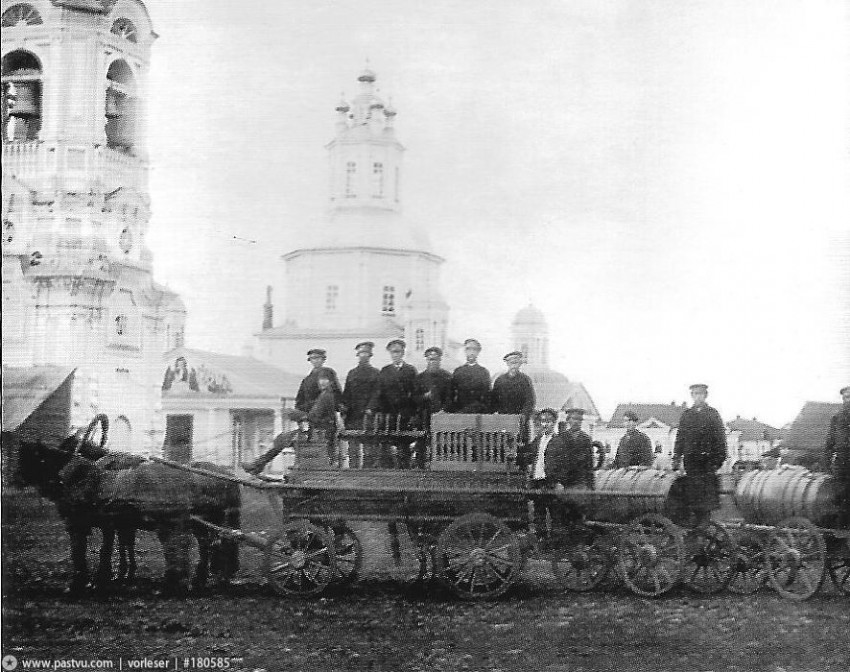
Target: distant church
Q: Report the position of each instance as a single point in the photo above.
(364, 272)
(81, 310)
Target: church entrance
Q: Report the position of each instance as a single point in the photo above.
(178, 438)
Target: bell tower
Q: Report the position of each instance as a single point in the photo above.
(77, 277)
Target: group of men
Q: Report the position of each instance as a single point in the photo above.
(402, 397)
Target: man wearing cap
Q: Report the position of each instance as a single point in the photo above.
(579, 451)
(308, 391)
(545, 460)
(701, 446)
(635, 448)
(396, 396)
(321, 417)
(471, 383)
(434, 393)
(837, 455)
(513, 393)
(360, 384)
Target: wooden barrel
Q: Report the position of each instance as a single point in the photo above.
(768, 497)
(622, 494)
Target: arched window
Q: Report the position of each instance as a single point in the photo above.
(388, 300)
(350, 170)
(420, 339)
(120, 106)
(377, 180)
(21, 15)
(21, 103)
(124, 28)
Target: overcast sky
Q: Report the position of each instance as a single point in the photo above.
(667, 181)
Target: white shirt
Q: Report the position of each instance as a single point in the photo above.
(539, 465)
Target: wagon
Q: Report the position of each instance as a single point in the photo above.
(788, 533)
(467, 513)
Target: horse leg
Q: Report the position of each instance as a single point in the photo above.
(202, 569)
(175, 546)
(104, 569)
(79, 545)
(127, 550)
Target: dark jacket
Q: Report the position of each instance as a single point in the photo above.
(396, 392)
(360, 384)
(308, 391)
(439, 384)
(700, 441)
(579, 460)
(634, 450)
(554, 462)
(837, 444)
(512, 394)
(470, 389)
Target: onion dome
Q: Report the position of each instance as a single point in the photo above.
(529, 316)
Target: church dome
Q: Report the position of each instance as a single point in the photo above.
(530, 316)
(367, 76)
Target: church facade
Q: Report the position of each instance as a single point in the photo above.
(78, 288)
(364, 271)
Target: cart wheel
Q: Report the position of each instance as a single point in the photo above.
(795, 559)
(300, 560)
(348, 552)
(839, 567)
(749, 574)
(651, 554)
(478, 556)
(710, 554)
(581, 559)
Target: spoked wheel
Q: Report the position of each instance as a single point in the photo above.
(478, 556)
(348, 552)
(839, 566)
(710, 555)
(748, 569)
(795, 559)
(300, 560)
(581, 559)
(651, 555)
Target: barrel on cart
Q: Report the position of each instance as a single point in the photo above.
(789, 533)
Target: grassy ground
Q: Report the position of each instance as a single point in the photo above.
(385, 623)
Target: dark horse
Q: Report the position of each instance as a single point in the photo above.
(120, 500)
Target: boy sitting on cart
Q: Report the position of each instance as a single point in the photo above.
(557, 462)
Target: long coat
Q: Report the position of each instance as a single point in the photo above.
(634, 450)
(701, 445)
(439, 384)
(360, 384)
(308, 391)
(470, 389)
(579, 459)
(554, 462)
(837, 446)
(512, 394)
(396, 392)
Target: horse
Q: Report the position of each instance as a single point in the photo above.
(119, 501)
(217, 501)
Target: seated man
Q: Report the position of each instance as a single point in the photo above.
(545, 459)
(322, 417)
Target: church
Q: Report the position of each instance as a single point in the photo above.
(80, 305)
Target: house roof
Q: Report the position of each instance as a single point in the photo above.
(230, 376)
(33, 406)
(753, 430)
(809, 429)
(669, 414)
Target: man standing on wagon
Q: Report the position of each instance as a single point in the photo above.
(309, 390)
(360, 384)
(396, 397)
(471, 383)
(579, 446)
(513, 393)
(701, 446)
(837, 456)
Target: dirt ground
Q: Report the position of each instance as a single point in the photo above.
(385, 622)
